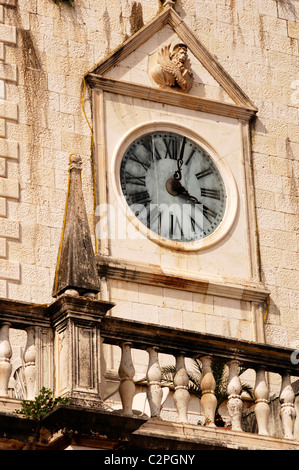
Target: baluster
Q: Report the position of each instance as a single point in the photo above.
(29, 359)
(5, 355)
(287, 412)
(234, 388)
(103, 383)
(208, 385)
(262, 409)
(153, 377)
(126, 374)
(181, 394)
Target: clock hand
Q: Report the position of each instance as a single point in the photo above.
(183, 192)
(205, 209)
(175, 188)
(178, 174)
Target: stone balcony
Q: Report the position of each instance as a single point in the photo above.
(64, 353)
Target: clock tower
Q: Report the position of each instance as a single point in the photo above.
(176, 228)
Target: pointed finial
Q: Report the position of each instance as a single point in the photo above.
(168, 3)
(76, 270)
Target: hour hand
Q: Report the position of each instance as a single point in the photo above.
(207, 212)
(183, 192)
(175, 188)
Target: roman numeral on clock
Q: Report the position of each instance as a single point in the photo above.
(150, 145)
(204, 173)
(207, 212)
(138, 180)
(171, 148)
(154, 219)
(190, 156)
(175, 227)
(194, 224)
(212, 193)
(141, 197)
(134, 158)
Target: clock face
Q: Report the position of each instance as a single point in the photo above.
(173, 186)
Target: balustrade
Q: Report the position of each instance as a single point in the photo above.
(156, 340)
(181, 397)
(208, 384)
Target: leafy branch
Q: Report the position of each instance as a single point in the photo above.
(41, 405)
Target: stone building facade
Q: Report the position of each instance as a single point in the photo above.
(52, 58)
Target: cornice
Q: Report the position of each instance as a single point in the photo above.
(144, 273)
(172, 98)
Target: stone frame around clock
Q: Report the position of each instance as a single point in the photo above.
(225, 172)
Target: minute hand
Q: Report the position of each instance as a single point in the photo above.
(178, 174)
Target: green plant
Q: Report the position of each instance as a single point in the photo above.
(41, 405)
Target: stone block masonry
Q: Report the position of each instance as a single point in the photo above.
(257, 43)
(45, 49)
(9, 154)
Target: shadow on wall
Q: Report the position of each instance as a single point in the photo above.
(287, 6)
(131, 17)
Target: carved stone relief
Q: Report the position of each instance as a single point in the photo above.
(173, 68)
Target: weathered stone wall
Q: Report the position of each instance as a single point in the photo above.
(257, 43)
(45, 50)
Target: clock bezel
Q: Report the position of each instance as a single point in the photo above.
(226, 174)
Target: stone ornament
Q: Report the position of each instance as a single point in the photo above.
(173, 68)
(76, 270)
(167, 3)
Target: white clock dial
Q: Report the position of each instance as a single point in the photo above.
(173, 186)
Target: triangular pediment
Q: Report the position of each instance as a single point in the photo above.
(128, 70)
